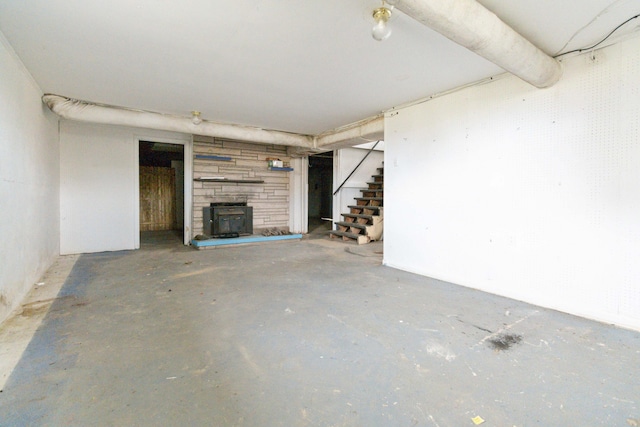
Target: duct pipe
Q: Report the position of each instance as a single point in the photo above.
(88, 112)
(471, 25)
(367, 130)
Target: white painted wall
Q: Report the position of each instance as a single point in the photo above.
(344, 161)
(298, 198)
(29, 182)
(99, 205)
(378, 146)
(532, 194)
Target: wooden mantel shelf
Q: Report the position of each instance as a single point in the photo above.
(242, 181)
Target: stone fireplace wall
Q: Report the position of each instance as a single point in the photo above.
(270, 200)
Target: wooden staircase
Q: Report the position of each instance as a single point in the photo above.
(364, 221)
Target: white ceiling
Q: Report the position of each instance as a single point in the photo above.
(299, 66)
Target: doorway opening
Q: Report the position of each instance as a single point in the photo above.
(161, 169)
(320, 195)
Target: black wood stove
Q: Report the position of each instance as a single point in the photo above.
(228, 218)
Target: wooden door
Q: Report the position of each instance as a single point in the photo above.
(157, 198)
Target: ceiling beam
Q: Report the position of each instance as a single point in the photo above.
(73, 109)
(346, 136)
(471, 25)
(367, 130)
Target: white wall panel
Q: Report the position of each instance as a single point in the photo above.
(298, 199)
(532, 194)
(29, 182)
(99, 186)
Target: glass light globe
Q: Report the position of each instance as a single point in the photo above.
(381, 30)
(195, 117)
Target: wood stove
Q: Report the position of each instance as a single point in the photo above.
(227, 218)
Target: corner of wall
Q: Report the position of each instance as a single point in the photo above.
(29, 180)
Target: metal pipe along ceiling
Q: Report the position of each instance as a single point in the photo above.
(88, 112)
(471, 25)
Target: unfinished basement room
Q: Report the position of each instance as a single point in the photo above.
(320, 213)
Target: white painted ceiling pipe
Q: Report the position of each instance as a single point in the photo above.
(471, 25)
(88, 112)
(371, 129)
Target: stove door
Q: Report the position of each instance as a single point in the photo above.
(229, 221)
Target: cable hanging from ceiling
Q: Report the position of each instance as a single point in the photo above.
(601, 41)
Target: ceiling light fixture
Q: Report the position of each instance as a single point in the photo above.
(195, 117)
(381, 31)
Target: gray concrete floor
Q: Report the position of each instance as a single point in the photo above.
(319, 228)
(308, 333)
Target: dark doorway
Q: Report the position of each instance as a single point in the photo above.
(320, 192)
(161, 167)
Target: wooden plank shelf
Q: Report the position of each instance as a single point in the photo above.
(239, 181)
(212, 157)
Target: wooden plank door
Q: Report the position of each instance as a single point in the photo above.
(157, 198)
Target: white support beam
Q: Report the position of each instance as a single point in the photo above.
(471, 25)
(368, 130)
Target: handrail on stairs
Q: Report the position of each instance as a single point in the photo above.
(357, 166)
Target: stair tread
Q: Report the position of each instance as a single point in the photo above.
(359, 215)
(356, 237)
(369, 198)
(352, 224)
(364, 202)
(365, 207)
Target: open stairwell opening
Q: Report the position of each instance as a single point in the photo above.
(364, 222)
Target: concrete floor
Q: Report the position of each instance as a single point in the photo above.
(319, 228)
(307, 333)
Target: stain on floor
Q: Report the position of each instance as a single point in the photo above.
(504, 342)
(302, 334)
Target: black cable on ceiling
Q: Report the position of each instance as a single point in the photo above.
(601, 41)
